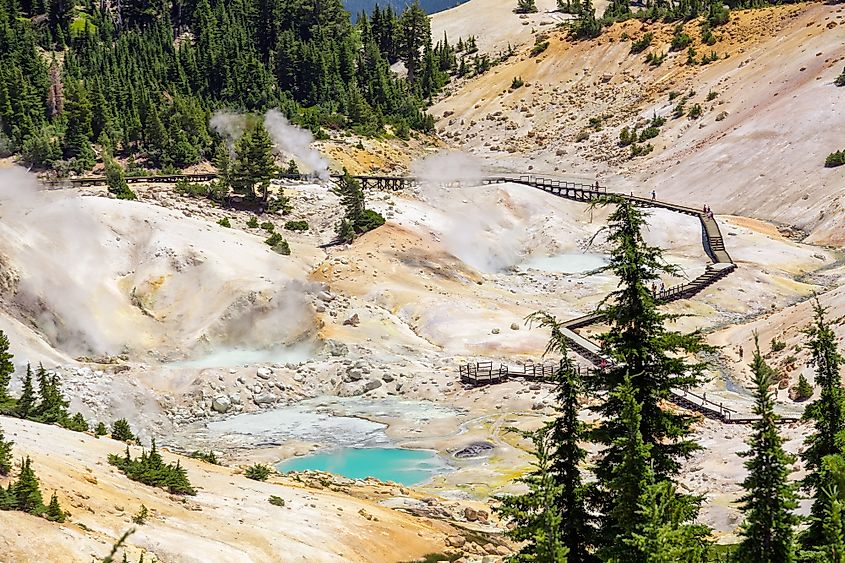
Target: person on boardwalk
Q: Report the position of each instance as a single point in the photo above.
(653, 195)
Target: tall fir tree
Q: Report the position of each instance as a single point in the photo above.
(77, 139)
(414, 29)
(769, 500)
(568, 434)
(536, 515)
(27, 493)
(254, 165)
(5, 455)
(7, 368)
(828, 416)
(648, 355)
(54, 512)
(26, 404)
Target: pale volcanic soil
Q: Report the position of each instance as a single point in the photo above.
(450, 278)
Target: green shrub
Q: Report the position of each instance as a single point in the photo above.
(517, 83)
(626, 136)
(694, 112)
(658, 121)
(100, 430)
(655, 59)
(679, 110)
(640, 150)
(642, 43)
(681, 40)
(673, 94)
(141, 517)
(711, 95)
(121, 431)
(296, 225)
(268, 226)
(190, 189)
(803, 390)
(539, 47)
(777, 345)
(77, 423)
(224, 222)
(252, 223)
(648, 133)
(278, 243)
(276, 501)
(691, 54)
(369, 220)
(835, 159)
(258, 472)
(150, 469)
(525, 7)
(582, 136)
(707, 36)
(719, 15)
(595, 123)
(840, 80)
(208, 457)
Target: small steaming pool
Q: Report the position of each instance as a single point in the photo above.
(407, 467)
(567, 263)
(233, 357)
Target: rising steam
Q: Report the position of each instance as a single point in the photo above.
(294, 140)
(288, 138)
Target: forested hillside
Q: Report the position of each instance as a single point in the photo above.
(142, 77)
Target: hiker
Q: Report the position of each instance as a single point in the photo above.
(597, 185)
(740, 352)
(653, 195)
(654, 289)
(662, 287)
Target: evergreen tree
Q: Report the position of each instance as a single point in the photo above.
(27, 493)
(414, 30)
(7, 368)
(52, 409)
(357, 219)
(5, 455)
(121, 431)
(586, 26)
(769, 499)
(26, 404)
(650, 357)
(116, 180)
(254, 165)
(100, 430)
(54, 512)
(664, 532)
(78, 133)
(828, 416)
(536, 514)
(567, 454)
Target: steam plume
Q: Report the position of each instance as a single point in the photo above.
(296, 141)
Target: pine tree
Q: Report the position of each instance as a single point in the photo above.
(52, 409)
(116, 180)
(357, 219)
(5, 455)
(536, 514)
(77, 139)
(26, 490)
(567, 454)
(629, 478)
(254, 165)
(26, 404)
(651, 358)
(664, 532)
(54, 512)
(100, 430)
(121, 431)
(7, 368)
(828, 416)
(414, 30)
(769, 499)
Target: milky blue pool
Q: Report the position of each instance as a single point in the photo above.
(408, 467)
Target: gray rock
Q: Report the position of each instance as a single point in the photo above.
(372, 384)
(221, 404)
(514, 326)
(235, 398)
(495, 331)
(387, 378)
(354, 374)
(264, 373)
(298, 377)
(264, 399)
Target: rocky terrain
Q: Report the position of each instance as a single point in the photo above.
(203, 337)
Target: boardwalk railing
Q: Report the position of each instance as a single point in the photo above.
(484, 373)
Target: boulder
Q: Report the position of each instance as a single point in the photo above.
(470, 514)
(264, 399)
(372, 384)
(456, 541)
(235, 398)
(354, 374)
(264, 373)
(221, 404)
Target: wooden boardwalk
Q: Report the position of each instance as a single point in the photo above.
(483, 373)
